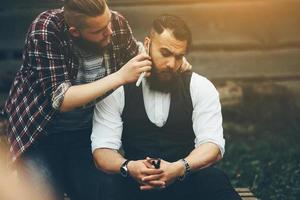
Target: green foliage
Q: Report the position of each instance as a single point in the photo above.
(263, 148)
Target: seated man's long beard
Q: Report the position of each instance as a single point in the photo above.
(166, 86)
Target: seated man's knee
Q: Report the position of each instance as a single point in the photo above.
(211, 176)
(215, 184)
(210, 172)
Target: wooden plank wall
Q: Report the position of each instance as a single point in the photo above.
(251, 40)
(231, 39)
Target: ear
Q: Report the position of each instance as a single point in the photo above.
(147, 43)
(74, 31)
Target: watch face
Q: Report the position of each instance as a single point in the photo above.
(123, 171)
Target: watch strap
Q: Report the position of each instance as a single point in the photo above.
(124, 169)
(187, 170)
(125, 163)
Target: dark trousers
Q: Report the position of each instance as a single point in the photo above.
(62, 163)
(206, 184)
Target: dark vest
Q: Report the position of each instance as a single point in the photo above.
(141, 138)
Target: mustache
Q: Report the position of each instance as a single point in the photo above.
(165, 70)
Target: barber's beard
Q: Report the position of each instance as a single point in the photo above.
(158, 84)
(87, 45)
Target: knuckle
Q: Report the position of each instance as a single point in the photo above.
(135, 66)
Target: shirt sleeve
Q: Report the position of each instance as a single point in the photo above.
(107, 121)
(44, 54)
(132, 46)
(207, 116)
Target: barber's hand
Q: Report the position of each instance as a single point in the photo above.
(131, 71)
(170, 173)
(185, 66)
(138, 170)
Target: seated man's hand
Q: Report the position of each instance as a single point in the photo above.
(138, 170)
(171, 171)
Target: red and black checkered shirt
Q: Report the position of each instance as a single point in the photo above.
(49, 61)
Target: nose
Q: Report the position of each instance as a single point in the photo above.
(172, 63)
(108, 31)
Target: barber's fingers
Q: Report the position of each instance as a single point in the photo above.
(185, 66)
(142, 56)
(144, 63)
(144, 69)
(147, 75)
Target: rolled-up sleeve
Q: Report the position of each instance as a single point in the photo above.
(59, 94)
(207, 116)
(107, 121)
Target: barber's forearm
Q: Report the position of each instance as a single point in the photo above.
(203, 156)
(79, 95)
(108, 160)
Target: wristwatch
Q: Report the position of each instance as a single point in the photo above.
(187, 170)
(124, 169)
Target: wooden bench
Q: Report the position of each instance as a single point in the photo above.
(246, 194)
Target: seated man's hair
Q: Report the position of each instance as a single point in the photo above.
(76, 11)
(179, 28)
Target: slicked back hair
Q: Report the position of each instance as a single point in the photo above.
(178, 27)
(76, 11)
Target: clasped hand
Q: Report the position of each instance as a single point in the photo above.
(144, 172)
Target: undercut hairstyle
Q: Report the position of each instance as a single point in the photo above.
(76, 11)
(175, 24)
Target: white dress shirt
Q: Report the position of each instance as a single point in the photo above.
(206, 117)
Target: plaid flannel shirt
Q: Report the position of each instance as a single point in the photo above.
(48, 62)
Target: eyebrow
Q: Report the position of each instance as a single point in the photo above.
(172, 53)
